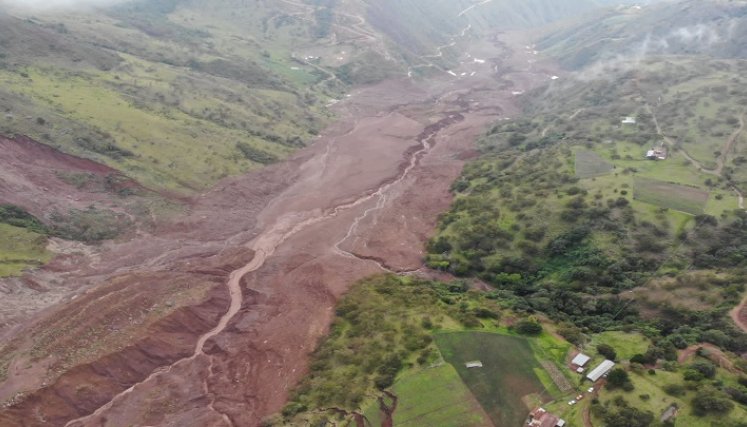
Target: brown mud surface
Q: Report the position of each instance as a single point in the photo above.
(32, 175)
(209, 320)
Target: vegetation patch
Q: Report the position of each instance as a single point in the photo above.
(589, 164)
(20, 249)
(509, 372)
(671, 196)
(384, 328)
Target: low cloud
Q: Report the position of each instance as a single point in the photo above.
(698, 37)
(58, 4)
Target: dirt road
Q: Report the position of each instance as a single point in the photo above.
(210, 320)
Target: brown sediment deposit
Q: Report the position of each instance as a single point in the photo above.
(210, 319)
(33, 175)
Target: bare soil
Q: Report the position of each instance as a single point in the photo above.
(210, 319)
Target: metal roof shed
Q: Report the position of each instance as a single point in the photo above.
(600, 370)
(580, 359)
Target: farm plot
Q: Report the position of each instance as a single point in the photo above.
(589, 164)
(509, 374)
(673, 196)
(437, 397)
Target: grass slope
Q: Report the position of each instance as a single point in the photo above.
(436, 397)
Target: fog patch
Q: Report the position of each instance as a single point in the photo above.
(694, 37)
(58, 4)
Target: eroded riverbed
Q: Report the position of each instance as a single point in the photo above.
(284, 244)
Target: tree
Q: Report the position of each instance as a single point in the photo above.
(628, 417)
(708, 369)
(709, 400)
(607, 351)
(528, 327)
(617, 378)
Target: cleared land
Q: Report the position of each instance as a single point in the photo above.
(672, 196)
(437, 397)
(509, 372)
(589, 164)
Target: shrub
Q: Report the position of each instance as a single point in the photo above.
(528, 327)
(618, 378)
(675, 390)
(709, 400)
(607, 351)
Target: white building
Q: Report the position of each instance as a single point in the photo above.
(629, 121)
(580, 360)
(600, 370)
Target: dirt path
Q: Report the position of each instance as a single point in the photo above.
(720, 161)
(715, 354)
(739, 313)
(740, 198)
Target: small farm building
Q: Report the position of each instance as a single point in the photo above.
(473, 364)
(541, 418)
(600, 370)
(629, 121)
(580, 360)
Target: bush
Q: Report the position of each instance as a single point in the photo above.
(709, 400)
(607, 351)
(255, 155)
(675, 390)
(18, 217)
(707, 369)
(618, 378)
(528, 327)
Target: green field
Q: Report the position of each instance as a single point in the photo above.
(436, 397)
(626, 345)
(589, 164)
(671, 196)
(508, 376)
(20, 249)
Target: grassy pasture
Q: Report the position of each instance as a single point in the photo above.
(589, 164)
(658, 401)
(672, 196)
(509, 372)
(436, 397)
(625, 344)
(20, 249)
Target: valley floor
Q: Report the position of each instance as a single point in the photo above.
(263, 256)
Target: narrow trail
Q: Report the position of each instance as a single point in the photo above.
(265, 245)
(462, 13)
(740, 197)
(739, 314)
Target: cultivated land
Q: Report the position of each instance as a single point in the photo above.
(509, 381)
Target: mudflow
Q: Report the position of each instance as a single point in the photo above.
(210, 320)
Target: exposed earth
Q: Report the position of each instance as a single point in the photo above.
(209, 320)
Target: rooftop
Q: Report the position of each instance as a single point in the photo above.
(580, 359)
(600, 370)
